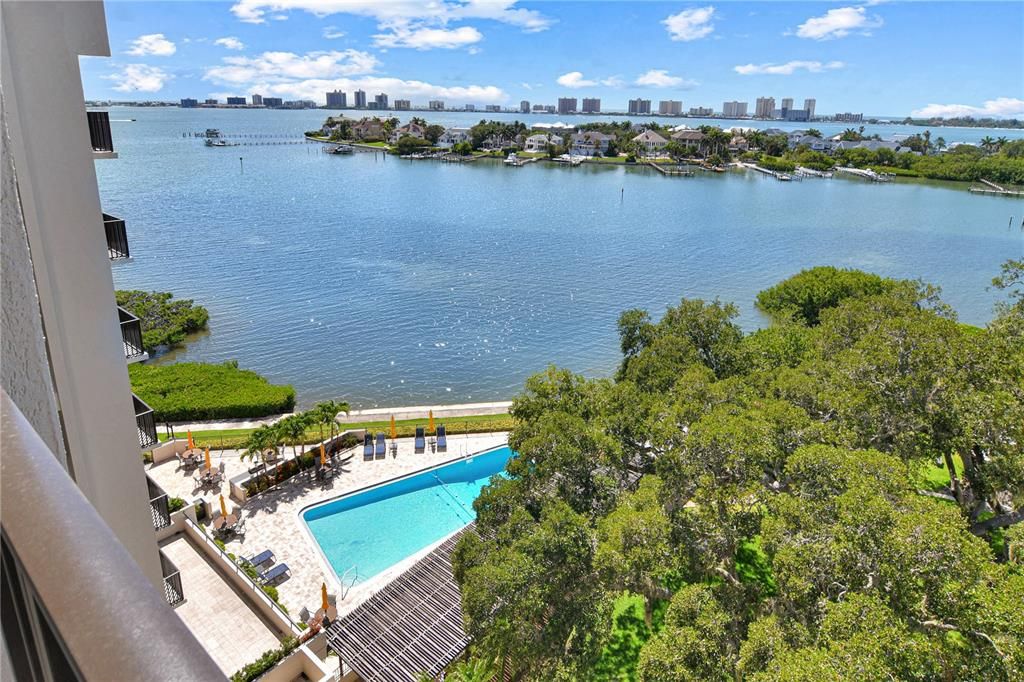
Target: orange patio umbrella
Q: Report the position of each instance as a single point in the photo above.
(430, 423)
(323, 596)
(394, 431)
(323, 455)
(223, 507)
(191, 443)
(209, 465)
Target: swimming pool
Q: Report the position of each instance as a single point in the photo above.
(365, 532)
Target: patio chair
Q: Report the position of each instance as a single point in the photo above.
(367, 446)
(420, 443)
(273, 574)
(259, 559)
(382, 448)
(304, 615)
(442, 438)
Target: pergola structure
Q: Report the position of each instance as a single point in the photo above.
(412, 626)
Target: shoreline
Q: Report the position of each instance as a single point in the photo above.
(355, 416)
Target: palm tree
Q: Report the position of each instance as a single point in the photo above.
(292, 431)
(472, 670)
(1000, 141)
(986, 143)
(260, 440)
(326, 414)
(940, 143)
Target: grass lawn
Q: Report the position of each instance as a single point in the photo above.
(483, 423)
(629, 633)
(932, 476)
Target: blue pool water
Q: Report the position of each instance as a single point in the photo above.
(364, 533)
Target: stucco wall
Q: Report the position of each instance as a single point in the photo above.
(24, 369)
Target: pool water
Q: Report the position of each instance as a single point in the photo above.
(366, 532)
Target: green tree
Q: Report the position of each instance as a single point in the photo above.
(809, 292)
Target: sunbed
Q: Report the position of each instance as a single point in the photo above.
(382, 448)
(442, 438)
(277, 571)
(420, 444)
(368, 446)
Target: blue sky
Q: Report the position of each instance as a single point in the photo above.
(886, 58)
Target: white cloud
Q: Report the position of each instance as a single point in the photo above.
(155, 44)
(275, 67)
(690, 24)
(1001, 107)
(423, 38)
(230, 42)
(838, 23)
(438, 13)
(139, 78)
(660, 78)
(787, 69)
(574, 79)
(332, 33)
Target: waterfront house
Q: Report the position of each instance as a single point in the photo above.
(540, 143)
(408, 130)
(870, 145)
(590, 143)
(492, 142)
(651, 142)
(453, 136)
(689, 138)
(738, 144)
(814, 143)
(370, 129)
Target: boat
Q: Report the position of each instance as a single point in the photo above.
(212, 132)
(216, 143)
(513, 160)
(341, 149)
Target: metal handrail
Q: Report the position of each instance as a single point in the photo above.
(90, 603)
(238, 571)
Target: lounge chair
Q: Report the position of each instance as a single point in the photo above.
(260, 559)
(274, 573)
(382, 449)
(420, 444)
(368, 446)
(442, 438)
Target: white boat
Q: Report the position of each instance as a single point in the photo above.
(513, 160)
(341, 149)
(216, 143)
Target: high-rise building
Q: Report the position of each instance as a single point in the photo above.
(670, 107)
(701, 111)
(360, 98)
(236, 101)
(524, 107)
(848, 118)
(273, 102)
(538, 108)
(566, 105)
(492, 107)
(337, 99)
(189, 103)
(639, 106)
(734, 109)
(549, 108)
(809, 105)
(257, 100)
(470, 107)
(591, 105)
(402, 105)
(78, 509)
(381, 100)
(436, 105)
(787, 103)
(210, 100)
(764, 107)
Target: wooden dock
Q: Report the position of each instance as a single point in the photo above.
(674, 171)
(992, 188)
(785, 177)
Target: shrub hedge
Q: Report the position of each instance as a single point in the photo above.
(191, 391)
(265, 662)
(809, 292)
(165, 322)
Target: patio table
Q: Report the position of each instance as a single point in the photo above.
(225, 522)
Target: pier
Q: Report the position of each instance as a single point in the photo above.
(778, 175)
(992, 188)
(673, 170)
(811, 173)
(867, 174)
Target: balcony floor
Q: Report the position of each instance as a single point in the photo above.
(229, 629)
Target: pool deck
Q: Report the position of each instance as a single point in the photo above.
(272, 519)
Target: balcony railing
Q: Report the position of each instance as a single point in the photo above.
(99, 131)
(172, 581)
(145, 422)
(75, 604)
(131, 336)
(158, 505)
(117, 237)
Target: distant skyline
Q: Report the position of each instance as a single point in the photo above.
(883, 58)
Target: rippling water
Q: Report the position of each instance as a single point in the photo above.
(389, 282)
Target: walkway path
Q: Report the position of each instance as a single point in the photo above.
(220, 618)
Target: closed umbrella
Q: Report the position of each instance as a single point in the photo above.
(223, 507)
(323, 455)
(191, 443)
(430, 423)
(323, 597)
(394, 431)
(209, 465)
